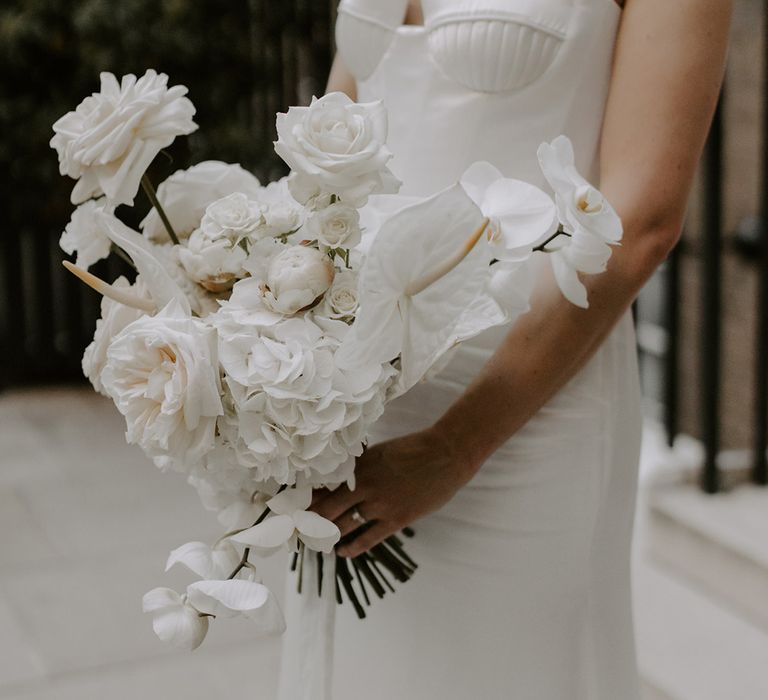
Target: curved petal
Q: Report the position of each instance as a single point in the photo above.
(568, 281)
(511, 285)
(199, 558)
(290, 500)
(317, 532)
(268, 536)
(182, 627)
(159, 598)
(477, 178)
(227, 598)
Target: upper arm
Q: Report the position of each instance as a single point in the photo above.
(668, 67)
(341, 80)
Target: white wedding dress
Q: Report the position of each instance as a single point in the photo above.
(523, 586)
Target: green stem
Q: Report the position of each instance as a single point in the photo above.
(149, 189)
(117, 250)
(543, 247)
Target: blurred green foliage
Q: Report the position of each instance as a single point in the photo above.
(232, 55)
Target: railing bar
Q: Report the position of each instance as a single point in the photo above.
(760, 464)
(711, 301)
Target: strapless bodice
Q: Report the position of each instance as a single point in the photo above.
(481, 80)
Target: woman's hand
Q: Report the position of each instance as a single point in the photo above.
(397, 482)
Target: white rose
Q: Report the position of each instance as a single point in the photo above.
(336, 226)
(296, 277)
(234, 217)
(338, 146)
(216, 263)
(111, 138)
(162, 373)
(85, 234)
(280, 211)
(342, 299)
(114, 318)
(186, 194)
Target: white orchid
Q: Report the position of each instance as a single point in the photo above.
(590, 223)
(422, 288)
(174, 619)
(238, 597)
(521, 215)
(205, 561)
(109, 141)
(291, 523)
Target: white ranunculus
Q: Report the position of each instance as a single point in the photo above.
(174, 619)
(296, 277)
(214, 263)
(162, 373)
(342, 299)
(520, 215)
(205, 561)
(336, 226)
(186, 194)
(336, 146)
(114, 318)
(85, 233)
(109, 141)
(590, 223)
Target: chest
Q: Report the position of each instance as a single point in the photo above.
(489, 46)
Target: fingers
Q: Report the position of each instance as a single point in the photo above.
(347, 522)
(378, 532)
(336, 503)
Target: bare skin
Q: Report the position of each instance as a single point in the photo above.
(668, 67)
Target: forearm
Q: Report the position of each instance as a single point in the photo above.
(544, 350)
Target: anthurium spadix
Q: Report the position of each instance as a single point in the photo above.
(291, 523)
(398, 315)
(521, 216)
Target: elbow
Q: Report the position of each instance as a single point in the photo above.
(649, 246)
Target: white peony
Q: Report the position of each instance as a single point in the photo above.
(162, 373)
(186, 194)
(85, 234)
(114, 318)
(214, 263)
(590, 223)
(109, 141)
(338, 147)
(295, 278)
(336, 226)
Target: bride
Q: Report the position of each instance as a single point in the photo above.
(517, 464)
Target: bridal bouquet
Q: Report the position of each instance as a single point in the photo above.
(266, 327)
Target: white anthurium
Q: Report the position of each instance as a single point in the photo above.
(580, 205)
(238, 597)
(158, 281)
(521, 215)
(205, 561)
(423, 282)
(174, 619)
(291, 522)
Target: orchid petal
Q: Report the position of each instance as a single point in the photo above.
(317, 532)
(290, 500)
(568, 280)
(267, 536)
(204, 561)
(238, 597)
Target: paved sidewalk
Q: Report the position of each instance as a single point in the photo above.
(86, 523)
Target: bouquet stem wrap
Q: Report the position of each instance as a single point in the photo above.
(306, 671)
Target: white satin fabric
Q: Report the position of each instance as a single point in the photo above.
(523, 588)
